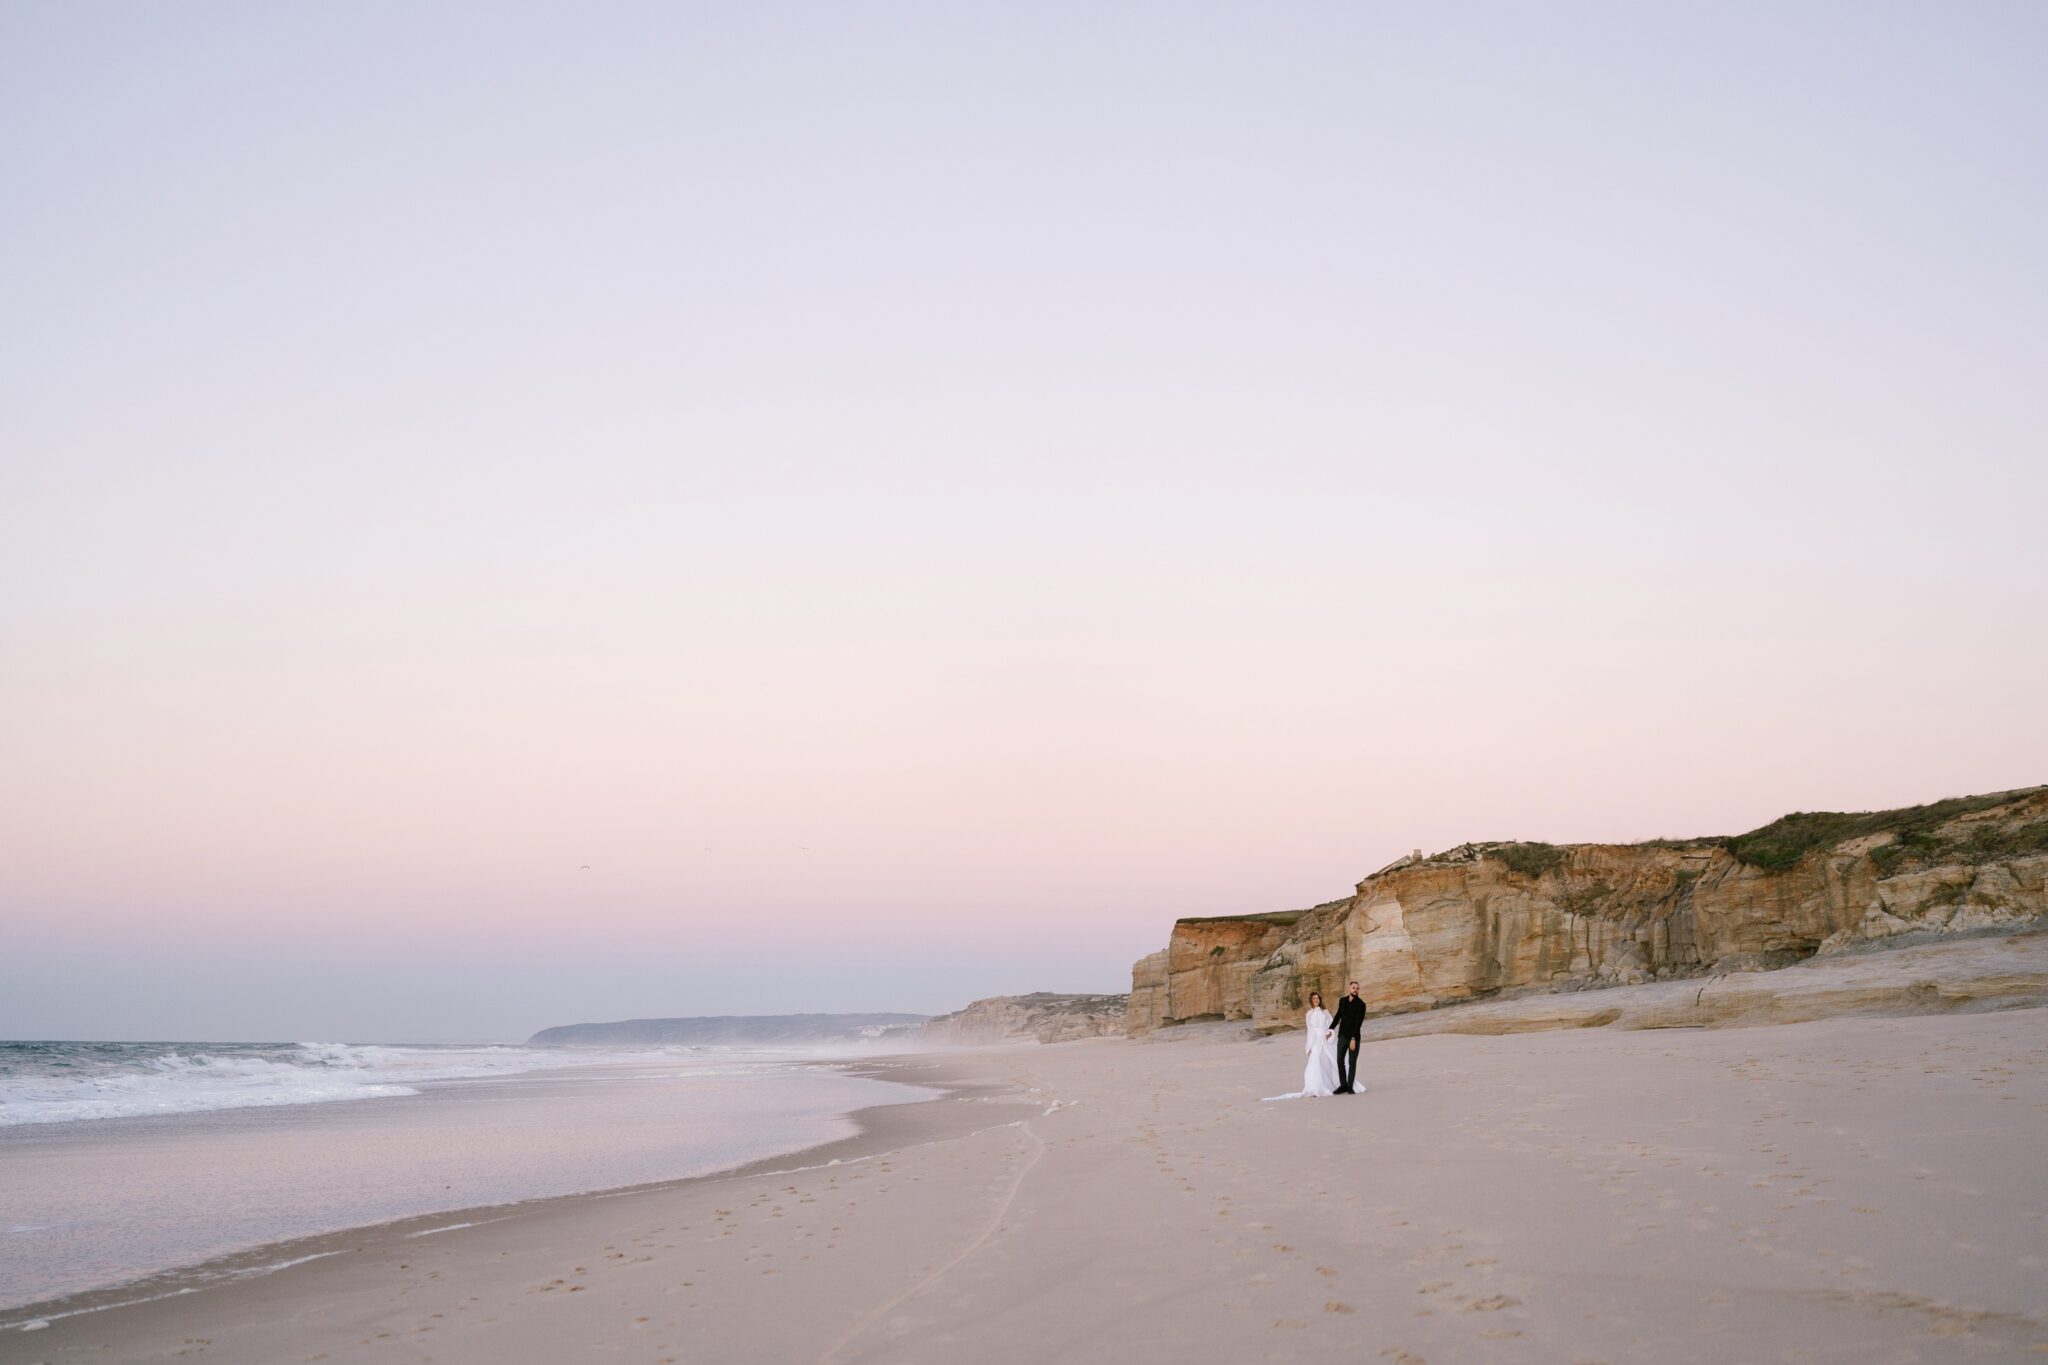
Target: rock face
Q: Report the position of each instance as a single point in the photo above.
(1148, 994)
(1494, 920)
(1042, 1016)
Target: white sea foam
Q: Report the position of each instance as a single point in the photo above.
(37, 1324)
(276, 1266)
(192, 1081)
(205, 1191)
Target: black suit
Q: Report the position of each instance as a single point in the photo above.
(1350, 1019)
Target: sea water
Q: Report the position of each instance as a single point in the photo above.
(120, 1160)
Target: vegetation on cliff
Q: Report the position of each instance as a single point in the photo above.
(1531, 860)
(1914, 831)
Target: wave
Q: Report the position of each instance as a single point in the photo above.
(68, 1083)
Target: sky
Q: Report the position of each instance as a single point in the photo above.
(521, 514)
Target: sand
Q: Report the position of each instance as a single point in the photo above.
(1868, 1190)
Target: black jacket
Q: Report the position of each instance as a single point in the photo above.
(1350, 1014)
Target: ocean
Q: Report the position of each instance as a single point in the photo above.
(119, 1161)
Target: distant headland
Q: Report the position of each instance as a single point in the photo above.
(730, 1030)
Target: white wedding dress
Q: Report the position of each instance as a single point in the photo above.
(1320, 1076)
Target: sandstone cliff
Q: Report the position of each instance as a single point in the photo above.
(1042, 1016)
(1504, 919)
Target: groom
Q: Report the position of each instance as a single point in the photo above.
(1350, 1019)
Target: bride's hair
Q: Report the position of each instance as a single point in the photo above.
(1315, 1000)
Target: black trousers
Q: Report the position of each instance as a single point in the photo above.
(1347, 1061)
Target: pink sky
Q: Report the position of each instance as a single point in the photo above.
(915, 508)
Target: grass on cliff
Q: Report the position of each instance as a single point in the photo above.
(1789, 838)
(1786, 840)
(1986, 844)
(1531, 860)
(1264, 917)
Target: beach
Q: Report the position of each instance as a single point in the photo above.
(719, 684)
(130, 1171)
(1867, 1189)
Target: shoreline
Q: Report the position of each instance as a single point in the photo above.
(1861, 1188)
(877, 1128)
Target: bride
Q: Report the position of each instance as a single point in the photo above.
(1320, 1076)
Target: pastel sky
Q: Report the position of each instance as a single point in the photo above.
(917, 497)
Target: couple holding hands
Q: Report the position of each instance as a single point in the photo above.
(1332, 1041)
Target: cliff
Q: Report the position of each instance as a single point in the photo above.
(1506, 919)
(730, 1030)
(1043, 1016)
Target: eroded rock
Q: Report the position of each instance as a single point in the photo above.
(1041, 1016)
(1486, 921)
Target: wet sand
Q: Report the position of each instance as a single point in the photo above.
(1848, 1190)
(103, 1202)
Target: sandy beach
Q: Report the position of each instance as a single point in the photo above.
(700, 684)
(1853, 1190)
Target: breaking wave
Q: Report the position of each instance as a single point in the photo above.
(67, 1082)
